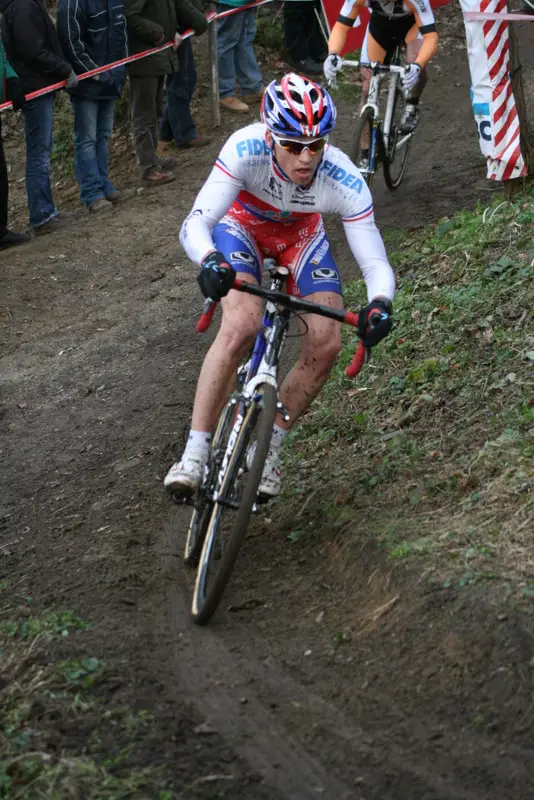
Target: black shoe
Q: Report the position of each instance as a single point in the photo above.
(54, 225)
(11, 238)
(308, 67)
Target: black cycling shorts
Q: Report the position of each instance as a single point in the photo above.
(390, 32)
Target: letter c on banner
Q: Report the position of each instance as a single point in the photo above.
(485, 131)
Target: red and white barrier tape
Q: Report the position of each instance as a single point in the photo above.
(136, 57)
(487, 16)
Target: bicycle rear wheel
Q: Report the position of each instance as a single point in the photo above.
(396, 158)
(231, 511)
(362, 140)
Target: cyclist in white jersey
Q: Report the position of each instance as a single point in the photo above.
(392, 22)
(264, 197)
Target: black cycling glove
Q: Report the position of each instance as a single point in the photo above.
(216, 277)
(374, 321)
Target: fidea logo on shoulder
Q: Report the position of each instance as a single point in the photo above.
(341, 175)
(253, 147)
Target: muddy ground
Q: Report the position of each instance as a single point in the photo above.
(98, 362)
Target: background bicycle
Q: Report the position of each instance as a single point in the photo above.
(229, 492)
(377, 137)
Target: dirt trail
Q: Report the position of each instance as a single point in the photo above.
(99, 361)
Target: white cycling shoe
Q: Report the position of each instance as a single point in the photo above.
(186, 475)
(271, 481)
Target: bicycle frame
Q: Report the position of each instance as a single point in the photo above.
(263, 363)
(261, 368)
(379, 72)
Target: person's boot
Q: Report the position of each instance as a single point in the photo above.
(12, 238)
(234, 104)
(101, 206)
(308, 67)
(157, 177)
(54, 225)
(254, 97)
(200, 140)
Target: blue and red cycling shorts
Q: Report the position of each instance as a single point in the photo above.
(299, 244)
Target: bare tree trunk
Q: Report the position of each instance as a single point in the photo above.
(526, 132)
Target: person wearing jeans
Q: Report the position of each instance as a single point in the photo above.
(93, 125)
(38, 128)
(236, 58)
(152, 23)
(177, 123)
(89, 44)
(34, 51)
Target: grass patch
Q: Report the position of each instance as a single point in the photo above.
(432, 449)
(62, 158)
(270, 31)
(61, 737)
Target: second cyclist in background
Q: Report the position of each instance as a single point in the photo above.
(392, 22)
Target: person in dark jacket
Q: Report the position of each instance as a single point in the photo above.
(93, 33)
(177, 126)
(305, 44)
(152, 23)
(13, 91)
(33, 49)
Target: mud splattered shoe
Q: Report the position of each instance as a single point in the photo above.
(184, 477)
(271, 481)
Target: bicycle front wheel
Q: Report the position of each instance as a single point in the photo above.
(396, 158)
(232, 509)
(362, 152)
(203, 505)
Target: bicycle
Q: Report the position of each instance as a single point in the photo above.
(381, 138)
(229, 492)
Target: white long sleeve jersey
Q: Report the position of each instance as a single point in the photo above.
(247, 181)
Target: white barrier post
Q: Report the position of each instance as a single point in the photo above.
(493, 99)
(214, 74)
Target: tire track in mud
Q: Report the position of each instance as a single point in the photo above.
(222, 690)
(285, 731)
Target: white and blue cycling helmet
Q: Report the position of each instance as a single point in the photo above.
(296, 106)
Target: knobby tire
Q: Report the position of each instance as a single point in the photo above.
(365, 120)
(392, 177)
(202, 511)
(259, 416)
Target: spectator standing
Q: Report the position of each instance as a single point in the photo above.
(236, 58)
(33, 49)
(13, 91)
(177, 124)
(93, 33)
(152, 23)
(304, 41)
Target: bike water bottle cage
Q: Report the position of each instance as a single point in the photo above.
(297, 107)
